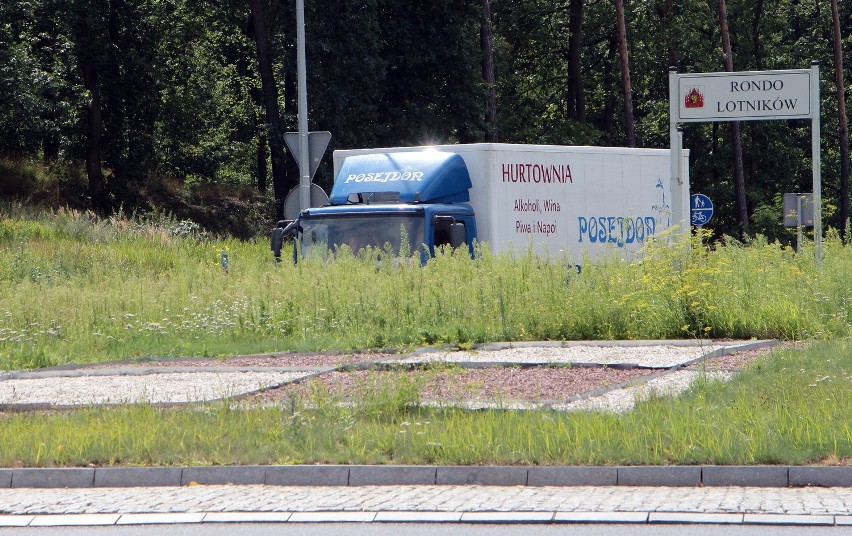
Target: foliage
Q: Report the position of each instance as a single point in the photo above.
(74, 287)
(181, 94)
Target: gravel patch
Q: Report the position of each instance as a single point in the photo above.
(741, 358)
(623, 400)
(250, 361)
(619, 400)
(537, 386)
(650, 356)
(549, 377)
(158, 388)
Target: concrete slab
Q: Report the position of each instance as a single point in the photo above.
(672, 475)
(829, 477)
(160, 518)
(53, 478)
(418, 517)
(845, 521)
(238, 474)
(483, 476)
(392, 475)
(572, 476)
(695, 517)
(125, 477)
(15, 521)
(601, 517)
(247, 517)
(332, 517)
(787, 519)
(307, 475)
(74, 520)
(764, 476)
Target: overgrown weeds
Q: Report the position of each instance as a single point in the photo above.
(78, 288)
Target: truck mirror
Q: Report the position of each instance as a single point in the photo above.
(457, 234)
(291, 228)
(283, 230)
(277, 240)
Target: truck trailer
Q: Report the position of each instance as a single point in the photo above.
(556, 201)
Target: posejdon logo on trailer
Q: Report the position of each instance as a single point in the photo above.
(700, 209)
(694, 97)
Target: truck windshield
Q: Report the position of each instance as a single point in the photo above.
(323, 233)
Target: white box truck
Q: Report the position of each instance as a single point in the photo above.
(557, 200)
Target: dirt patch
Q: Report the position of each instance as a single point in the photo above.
(741, 359)
(534, 383)
(529, 384)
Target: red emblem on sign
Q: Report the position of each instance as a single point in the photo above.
(694, 98)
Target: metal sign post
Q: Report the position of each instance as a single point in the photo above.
(815, 157)
(798, 213)
(304, 157)
(676, 141)
(748, 96)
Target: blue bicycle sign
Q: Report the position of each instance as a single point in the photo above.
(700, 209)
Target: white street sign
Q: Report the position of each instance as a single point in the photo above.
(744, 96)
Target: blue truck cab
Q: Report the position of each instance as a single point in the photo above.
(418, 199)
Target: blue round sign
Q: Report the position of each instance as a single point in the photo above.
(700, 209)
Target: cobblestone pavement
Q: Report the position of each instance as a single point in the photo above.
(235, 498)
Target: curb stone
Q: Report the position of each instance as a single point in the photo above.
(765, 476)
(53, 478)
(670, 476)
(488, 517)
(369, 475)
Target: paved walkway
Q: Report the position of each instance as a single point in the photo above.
(519, 504)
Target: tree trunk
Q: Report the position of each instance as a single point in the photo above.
(625, 74)
(756, 146)
(668, 24)
(487, 44)
(576, 98)
(261, 164)
(755, 34)
(608, 121)
(736, 135)
(97, 192)
(844, 126)
(275, 132)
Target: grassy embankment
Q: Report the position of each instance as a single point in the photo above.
(76, 289)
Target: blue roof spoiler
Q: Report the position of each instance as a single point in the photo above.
(404, 177)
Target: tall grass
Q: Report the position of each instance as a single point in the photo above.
(76, 288)
(793, 408)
